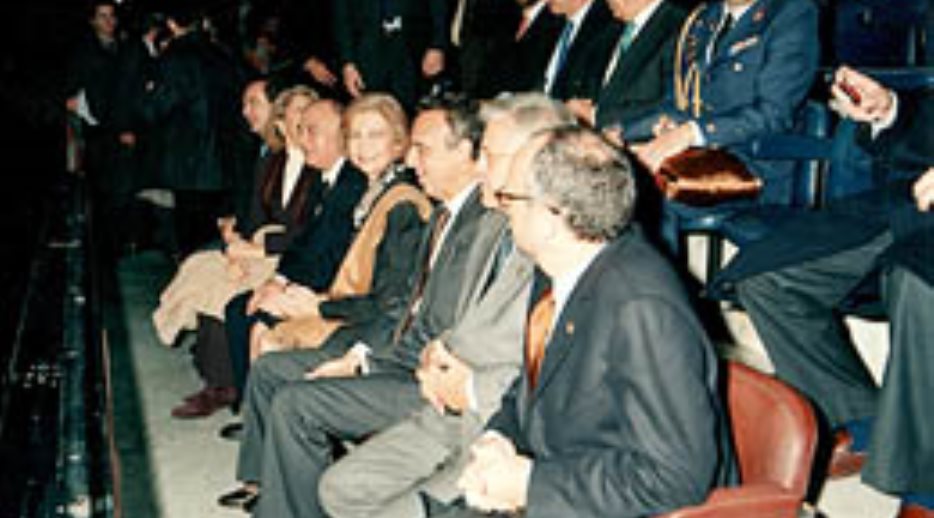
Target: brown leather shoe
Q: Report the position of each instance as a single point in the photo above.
(914, 511)
(844, 462)
(210, 400)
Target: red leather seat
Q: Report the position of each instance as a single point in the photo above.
(775, 436)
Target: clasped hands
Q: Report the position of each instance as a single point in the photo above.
(497, 476)
(670, 139)
(443, 378)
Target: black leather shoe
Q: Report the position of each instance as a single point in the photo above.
(232, 431)
(241, 498)
(250, 504)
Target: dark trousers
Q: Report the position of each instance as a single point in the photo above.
(306, 417)
(271, 372)
(794, 311)
(210, 353)
(238, 325)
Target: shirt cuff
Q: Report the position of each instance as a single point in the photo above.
(698, 139)
(886, 122)
(470, 389)
(362, 352)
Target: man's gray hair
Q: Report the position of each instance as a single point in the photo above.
(588, 179)
(531, 112)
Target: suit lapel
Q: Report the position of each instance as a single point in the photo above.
(471, 210)
(577, 311)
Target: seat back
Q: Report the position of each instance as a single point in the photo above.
(774, 430)
(876, 33)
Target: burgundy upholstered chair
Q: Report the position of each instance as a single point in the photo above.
(775, 436)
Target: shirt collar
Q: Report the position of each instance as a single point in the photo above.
(329, 175)
(578, 17)
(639, 21)
(455, 204)
(532, 11)
(563, 285)
(737, 12)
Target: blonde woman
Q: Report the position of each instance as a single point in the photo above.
(374, 276)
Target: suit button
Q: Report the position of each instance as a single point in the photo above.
(711, 127)
(737, 67)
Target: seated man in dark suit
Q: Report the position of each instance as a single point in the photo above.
(639, 73)
(794, 281)
(617, 412)
(314, 256)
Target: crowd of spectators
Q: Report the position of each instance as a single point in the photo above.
(424, 258)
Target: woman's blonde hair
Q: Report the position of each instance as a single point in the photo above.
(387, 107)
(271, 132)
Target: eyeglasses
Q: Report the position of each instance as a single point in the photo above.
(505, 198)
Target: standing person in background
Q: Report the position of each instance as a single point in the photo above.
(394, 46)
(519, 68)
(92, 81)
(183, 106)
(147, 220)
(481, 33)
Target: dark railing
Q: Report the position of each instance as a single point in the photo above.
(54, 411)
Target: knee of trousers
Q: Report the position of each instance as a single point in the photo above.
(339, 489)
(764, 286)
(295, 403)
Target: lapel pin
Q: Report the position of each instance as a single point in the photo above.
(569, 328)
(758, 15)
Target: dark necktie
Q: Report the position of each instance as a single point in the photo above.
(536, 335)
(622, 45)
(441, 220)
(564, 44)
(719, 37)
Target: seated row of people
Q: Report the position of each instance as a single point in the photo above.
(418, 393)
(409, 369)
(407, 388)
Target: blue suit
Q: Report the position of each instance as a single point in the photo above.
(751, 86)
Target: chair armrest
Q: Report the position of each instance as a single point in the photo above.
(759, 500)
(791, 146)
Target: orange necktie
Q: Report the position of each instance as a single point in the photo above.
(536, 334)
